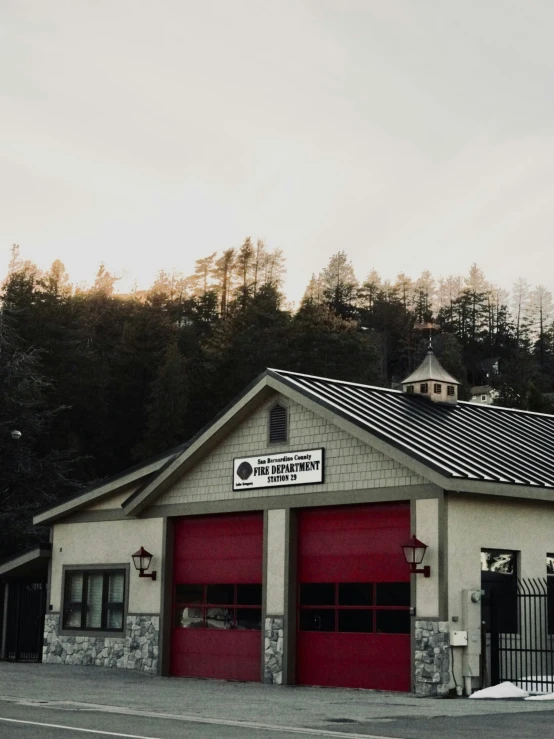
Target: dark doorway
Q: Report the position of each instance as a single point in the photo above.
(23, 589)
(24, 625)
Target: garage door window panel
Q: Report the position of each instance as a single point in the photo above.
(317, 619)
(220, 594)
(223, 606)
(355, 594)
(361, 607)
(317, 594)
(358, 621)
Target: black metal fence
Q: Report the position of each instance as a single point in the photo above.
(24, 627)
(522, 635)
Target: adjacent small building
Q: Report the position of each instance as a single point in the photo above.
(483, 394)
(317, 532)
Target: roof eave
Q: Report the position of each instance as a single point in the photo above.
(32, 557)
(504, 489)
(97, 493)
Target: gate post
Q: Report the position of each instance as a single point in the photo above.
(4, 635)
(495, 640)
(17, 645)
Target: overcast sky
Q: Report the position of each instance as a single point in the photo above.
(148, 133)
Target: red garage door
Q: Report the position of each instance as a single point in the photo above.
(353, 602)
(218, 597)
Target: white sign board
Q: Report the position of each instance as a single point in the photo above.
(275, 470)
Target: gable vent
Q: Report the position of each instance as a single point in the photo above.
(278, 423)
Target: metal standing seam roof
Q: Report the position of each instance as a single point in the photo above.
(431, 369)
(460, 441)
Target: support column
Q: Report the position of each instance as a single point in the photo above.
(431, 656)
(427, 530)
(276, 545)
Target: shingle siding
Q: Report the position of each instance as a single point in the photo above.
(349, 463)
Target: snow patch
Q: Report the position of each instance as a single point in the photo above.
(544, 697)
(503, 690)
(537, 684)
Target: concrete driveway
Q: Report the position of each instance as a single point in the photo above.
(54, 700)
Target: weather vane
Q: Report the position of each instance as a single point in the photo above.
(427, 326)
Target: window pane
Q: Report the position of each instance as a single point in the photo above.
(494, 560)
(356, 621)
(189, 593)
(189, 618)
(249, 618)
(355, 594)
(224, 594)
(73, 618)
(393, 622)
(75, 588)
(249, 595)
(95, 586)
(317, 620)
(317, 594)
(393, 594)
(550, 564)
(115, 618)
(219, 618)
(116, 587)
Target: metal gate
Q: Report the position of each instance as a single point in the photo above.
(522, 635)
(24, 626)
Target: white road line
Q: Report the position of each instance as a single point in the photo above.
(217, 722)
(76, 728)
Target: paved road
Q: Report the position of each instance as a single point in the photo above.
(54, 702)
(30, 720)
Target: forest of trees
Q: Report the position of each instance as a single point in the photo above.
(97, 381)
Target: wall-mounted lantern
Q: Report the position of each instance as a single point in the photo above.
(414, 552)
(142, 560)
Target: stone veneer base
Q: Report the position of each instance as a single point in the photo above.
(137, 649)
(273, 654)
(432, 657)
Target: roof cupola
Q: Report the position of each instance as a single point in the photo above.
(432, 381)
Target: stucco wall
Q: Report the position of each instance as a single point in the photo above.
(349, 463)
(109, 542)
(479, 522)
(482, 522)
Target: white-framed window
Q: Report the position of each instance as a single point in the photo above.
(437, 388)
(94, 600)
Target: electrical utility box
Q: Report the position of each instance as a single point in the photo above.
(458, 638)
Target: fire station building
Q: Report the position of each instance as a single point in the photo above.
(317, 532)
